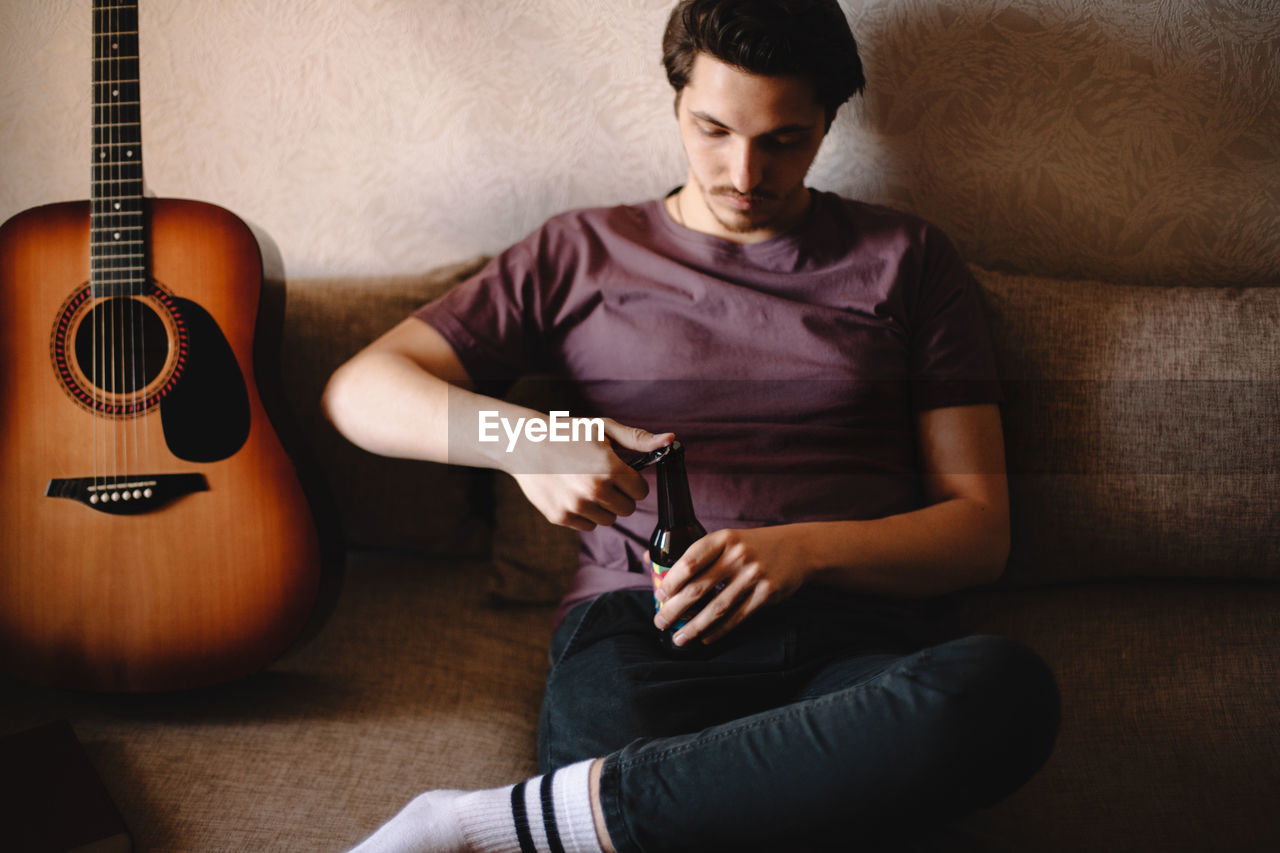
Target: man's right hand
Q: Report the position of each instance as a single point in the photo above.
(585, 484)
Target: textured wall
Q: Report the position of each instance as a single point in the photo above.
(1131, 140)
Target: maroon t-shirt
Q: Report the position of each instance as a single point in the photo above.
(791, 369)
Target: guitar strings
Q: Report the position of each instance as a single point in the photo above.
(144, 247)
(137, 343)
(113, 134)
(119, 284)
(119, 339)
(138, 274)
(140, 345)
(125, 302)
(130, 309)
(108, 312)
(121, 301)
(113, 303)
(95, 267)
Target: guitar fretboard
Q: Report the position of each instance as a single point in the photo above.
(118, 238)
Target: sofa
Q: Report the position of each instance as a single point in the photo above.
(1110, 168)
(1145, 481)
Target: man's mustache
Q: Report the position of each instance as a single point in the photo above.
(762, 195)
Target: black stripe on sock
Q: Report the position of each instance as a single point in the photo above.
(549, 816)
(521, 816)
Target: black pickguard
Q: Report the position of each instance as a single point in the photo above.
(206, 415)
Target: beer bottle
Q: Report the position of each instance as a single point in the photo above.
(677, 529)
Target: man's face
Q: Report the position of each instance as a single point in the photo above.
(750, 140)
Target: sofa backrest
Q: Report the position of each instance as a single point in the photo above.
(1141, 428)
(1140, 432)
(380, 502)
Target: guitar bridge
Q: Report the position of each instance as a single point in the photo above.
(127, 495)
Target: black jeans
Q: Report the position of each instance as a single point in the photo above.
(823, 722)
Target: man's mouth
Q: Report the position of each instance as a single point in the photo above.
(742, 202)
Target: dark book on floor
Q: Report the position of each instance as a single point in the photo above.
(51, 798)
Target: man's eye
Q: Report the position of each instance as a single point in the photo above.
(713, 131)
(786, 141)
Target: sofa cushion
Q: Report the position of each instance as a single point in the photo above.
(382, 502)
(1140, 428)
(1168, 738)
(533, 559)
(416, 682)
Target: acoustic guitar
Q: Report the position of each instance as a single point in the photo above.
(154, 533)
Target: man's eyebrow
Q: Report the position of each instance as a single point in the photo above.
(777, 131)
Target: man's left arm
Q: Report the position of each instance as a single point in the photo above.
(960, 538)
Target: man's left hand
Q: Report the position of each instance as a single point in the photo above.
(752, 567)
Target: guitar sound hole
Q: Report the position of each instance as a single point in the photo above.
(122, 345)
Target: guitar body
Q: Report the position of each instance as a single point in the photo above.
(154, 535)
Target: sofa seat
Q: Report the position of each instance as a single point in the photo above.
(415, 681)
(1170, 737)
(419, 680)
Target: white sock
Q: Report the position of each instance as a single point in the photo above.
(497, 820)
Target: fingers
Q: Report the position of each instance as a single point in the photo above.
(577, 522)
(687, 582)
(719, 624)
(699, 555)
(613, 497)
(634, 438)
(586, 513)
(727, 604)
(600, 503)
(618, 502)
(588, 484)
(619, 490)
(626, 486)
(720, 581)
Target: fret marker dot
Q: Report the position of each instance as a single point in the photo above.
(102, 155)
(128, 153)
(115, 236)
(115, 93)
(116, 205)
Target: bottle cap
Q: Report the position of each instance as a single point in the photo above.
(653, 457)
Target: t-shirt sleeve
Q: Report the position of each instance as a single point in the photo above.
(952, 358)
(491, 320)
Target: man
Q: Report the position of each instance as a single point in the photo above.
(826, 365)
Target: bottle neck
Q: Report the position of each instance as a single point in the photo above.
(675, 506)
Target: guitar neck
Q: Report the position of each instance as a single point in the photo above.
(118, 238)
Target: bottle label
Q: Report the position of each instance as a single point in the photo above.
(657, 572)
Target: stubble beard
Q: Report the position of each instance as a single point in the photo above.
(745, 223)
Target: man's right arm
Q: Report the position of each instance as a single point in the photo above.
(408, 395)
(393, 397)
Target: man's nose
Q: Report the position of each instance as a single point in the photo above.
(747, 169)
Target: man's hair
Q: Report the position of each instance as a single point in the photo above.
(773, 38)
